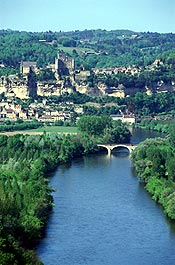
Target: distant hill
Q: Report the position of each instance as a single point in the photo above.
(90, 48)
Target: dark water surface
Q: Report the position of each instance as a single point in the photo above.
(103, 216)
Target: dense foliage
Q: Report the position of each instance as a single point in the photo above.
(94, 125)
(25, 197)
(155, 125)
(107, 48)
(103, 129)
(19, 125)
(142, 104)
(153, 160)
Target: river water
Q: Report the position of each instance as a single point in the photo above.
(103, 216)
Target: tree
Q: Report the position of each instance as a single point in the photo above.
(94, 125)
(157, 156)
(172, 134)
(170, 166)
(46, 75)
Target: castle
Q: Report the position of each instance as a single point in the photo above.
(64, 65)
(68, 80)
(22, 85)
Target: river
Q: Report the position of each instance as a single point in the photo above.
(103, 216)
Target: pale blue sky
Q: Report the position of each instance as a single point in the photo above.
(66, 15)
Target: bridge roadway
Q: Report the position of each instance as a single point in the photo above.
(110, 147)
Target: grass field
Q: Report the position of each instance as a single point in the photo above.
(57, 129)
(70, 49)
(47, 129)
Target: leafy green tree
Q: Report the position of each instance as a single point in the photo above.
(172, 134)
(170, 166)
(93, 125)
(46, 75)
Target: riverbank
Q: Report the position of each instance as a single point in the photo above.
(155, 125)
(102, 215)
(25, 197)
(153, 160)
(28, 159)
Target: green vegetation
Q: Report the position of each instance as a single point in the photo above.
(5, 71)
(155, 125)
(140, 103)
(19, 125)
(46, 75)
(54, 129)
(25, 197)
(76, 98)
(107, 48)
(25, 161)
(149, 105)
(94, 125)
(94, 49)
(153, 160)
(36, 126)
(103, 129)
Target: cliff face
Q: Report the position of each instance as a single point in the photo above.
(13, 86)
(18, 91)
(158, 87)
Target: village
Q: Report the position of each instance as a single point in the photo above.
(67, 80)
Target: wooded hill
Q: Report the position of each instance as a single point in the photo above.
(90, 48)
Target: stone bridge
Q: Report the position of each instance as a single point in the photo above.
(110, 147)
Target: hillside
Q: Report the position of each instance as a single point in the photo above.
(90, 48)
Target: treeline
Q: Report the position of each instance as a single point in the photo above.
(76, 98)
(103, 129)
(25, 197)
(17, 46)
(153, 160)
(142, 104)
(155, 125)
(19, 125)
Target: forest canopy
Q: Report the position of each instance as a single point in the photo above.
(105, 48)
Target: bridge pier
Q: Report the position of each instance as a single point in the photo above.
(109, 151)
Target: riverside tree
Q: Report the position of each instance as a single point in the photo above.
(104, 129)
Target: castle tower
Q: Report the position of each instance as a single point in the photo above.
(64, 65)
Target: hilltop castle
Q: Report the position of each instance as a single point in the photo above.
(64, 65)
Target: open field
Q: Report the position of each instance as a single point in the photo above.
(47, 129)
(70, 49)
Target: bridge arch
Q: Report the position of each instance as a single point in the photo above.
(105, 147)
(110, 147)
(121, 146)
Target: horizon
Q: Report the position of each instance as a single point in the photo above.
(93, 29)
(58, 15)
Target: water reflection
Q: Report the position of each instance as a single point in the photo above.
(97, 161)
(139, 135)
(104, 216)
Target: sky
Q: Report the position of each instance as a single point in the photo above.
(70, 15)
